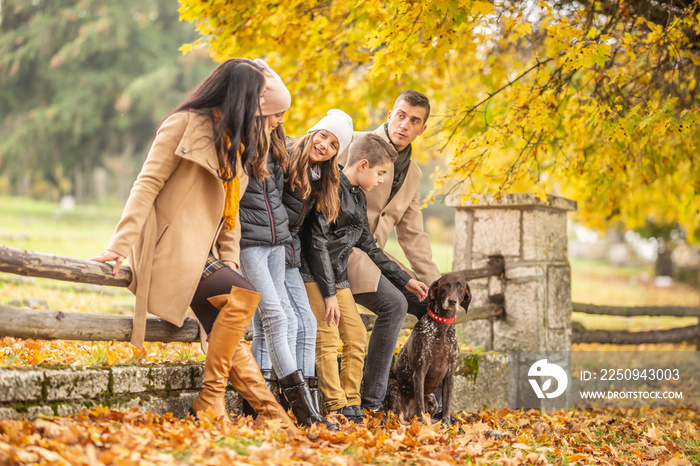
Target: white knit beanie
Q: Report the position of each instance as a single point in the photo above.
(340, 124)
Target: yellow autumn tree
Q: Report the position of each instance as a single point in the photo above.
(593, 100)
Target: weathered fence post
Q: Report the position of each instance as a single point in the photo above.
(530, 234)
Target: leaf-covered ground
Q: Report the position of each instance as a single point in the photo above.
(17, 352)
(504, 437)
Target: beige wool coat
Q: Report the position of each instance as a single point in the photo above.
(173, 219)
(402, 214)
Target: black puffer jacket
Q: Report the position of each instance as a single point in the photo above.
(298, 209)
(263, 217)
(327, 246)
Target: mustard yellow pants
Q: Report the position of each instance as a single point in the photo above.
(340, 387)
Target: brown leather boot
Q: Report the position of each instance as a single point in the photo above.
(272, 385)
(235, 311)
(246, 378)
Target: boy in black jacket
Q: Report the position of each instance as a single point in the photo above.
(324, 268)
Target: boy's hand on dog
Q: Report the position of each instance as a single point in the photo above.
(419, 289)
(332, 310)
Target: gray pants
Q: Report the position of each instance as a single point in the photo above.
(390, 305)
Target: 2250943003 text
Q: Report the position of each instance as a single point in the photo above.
(632, 374)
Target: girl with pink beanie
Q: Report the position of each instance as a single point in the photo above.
(264, 235)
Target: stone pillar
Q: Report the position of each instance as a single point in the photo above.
(531, 236)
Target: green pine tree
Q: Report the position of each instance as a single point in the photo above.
(83, 84)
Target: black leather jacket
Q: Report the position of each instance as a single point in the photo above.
(327, 247)
(263, 217)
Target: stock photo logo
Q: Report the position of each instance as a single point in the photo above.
(541, 369)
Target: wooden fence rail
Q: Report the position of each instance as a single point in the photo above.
(37, 264)
(495, 266)
(57, 325)
(54, 325)
(622, 337)
(675, 311)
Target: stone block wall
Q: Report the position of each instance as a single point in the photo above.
(32, 393)
(57, 392)
(481, 382)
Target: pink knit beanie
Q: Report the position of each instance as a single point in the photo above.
(277, 96)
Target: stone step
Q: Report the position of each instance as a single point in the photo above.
(482, 381)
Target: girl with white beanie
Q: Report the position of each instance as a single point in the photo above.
(311, 183)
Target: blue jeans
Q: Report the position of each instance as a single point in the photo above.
(306, 322)
(274, 323)
(303, 337)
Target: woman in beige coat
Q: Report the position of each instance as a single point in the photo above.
(179, 230)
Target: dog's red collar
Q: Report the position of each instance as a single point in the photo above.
(437, 318)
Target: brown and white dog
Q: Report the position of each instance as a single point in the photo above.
(430, 355)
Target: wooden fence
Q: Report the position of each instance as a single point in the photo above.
(622, 337)
(59, 325)
(56, 324)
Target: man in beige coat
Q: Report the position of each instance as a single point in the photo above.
(393, 205)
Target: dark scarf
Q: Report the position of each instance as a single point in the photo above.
(400, 166)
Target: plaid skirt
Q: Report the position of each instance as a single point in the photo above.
(213, 264)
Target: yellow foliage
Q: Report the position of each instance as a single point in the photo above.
(575, 100)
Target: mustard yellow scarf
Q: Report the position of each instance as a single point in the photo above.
(233, 195)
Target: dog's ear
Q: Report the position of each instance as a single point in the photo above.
(432, 292)
(467, 298)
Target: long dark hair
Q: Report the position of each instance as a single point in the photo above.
(326, 189)
(273, 143)
(230, 95)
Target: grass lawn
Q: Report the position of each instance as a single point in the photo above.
(43, 226)
(599, 283)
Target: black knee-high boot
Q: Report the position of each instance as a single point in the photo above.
(312, 382)
(295, 390)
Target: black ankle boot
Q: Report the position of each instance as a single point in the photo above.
(274, 386)
(270, 379)
(312, 382)
(248, 410)
(294, 388)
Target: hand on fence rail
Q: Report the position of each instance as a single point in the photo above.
(37, 264)
(109, 256)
